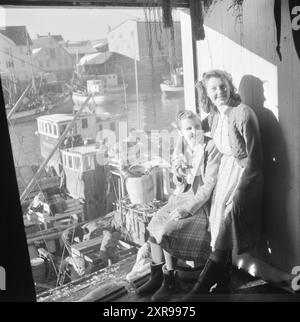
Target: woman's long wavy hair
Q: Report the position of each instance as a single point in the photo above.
(204, 101)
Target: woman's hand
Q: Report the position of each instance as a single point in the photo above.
(179, 167)
(178, 214)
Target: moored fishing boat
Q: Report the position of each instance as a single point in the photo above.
(174, 85)
(168, 88)
(52, 97)
(105, 89)
(62, 104)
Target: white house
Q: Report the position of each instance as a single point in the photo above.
(7, 46)
(16, 52)
(79, 48)
(51, 57)
(131, 38)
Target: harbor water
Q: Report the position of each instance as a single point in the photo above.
(153, 111)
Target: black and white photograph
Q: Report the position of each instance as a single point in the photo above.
(151, 153)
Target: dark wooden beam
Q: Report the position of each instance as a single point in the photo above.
(100, 3)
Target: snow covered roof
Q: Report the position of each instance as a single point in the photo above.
(94, 59)
(35, 51)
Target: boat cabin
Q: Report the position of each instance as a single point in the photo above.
(88, 126)
(51, 127)
(95, 86)
(81, 158)
(85, 176)
(106, 80)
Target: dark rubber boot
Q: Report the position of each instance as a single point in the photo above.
(154, 283)
(223, 284)
(169, 286)
(211, 275)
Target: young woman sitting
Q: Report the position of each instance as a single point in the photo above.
(180, 228)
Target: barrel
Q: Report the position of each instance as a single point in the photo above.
(38, 269)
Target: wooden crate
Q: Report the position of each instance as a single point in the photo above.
(86, 247)
(74, 207)
(90, 251)
(134, 223)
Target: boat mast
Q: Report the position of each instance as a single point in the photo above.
(137, 92)
(12, 83)
(31, 63)
(124, 87)
(38, 173)
(16, 106)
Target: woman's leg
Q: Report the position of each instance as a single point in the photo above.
(221, 256)
(169, 259)
(224, 259)
(156, 275)
(169, 285)
(157, 254)
(216, 272)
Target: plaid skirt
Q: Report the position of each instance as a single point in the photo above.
(188, 238)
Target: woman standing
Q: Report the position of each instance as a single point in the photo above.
(235, 216)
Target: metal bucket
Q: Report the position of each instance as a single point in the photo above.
(140, 186)
(38, 269)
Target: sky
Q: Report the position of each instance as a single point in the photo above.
(71, 23)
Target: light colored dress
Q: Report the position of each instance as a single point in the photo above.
(230, 172)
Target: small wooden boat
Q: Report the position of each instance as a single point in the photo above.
(168, 88)
(174, 85)
(62, 104)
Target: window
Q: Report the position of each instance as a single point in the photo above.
(70, 162)
(57, 60)
(54, 129)
(77, 163)
(84, 123)
(64, 160)
(87, 163)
